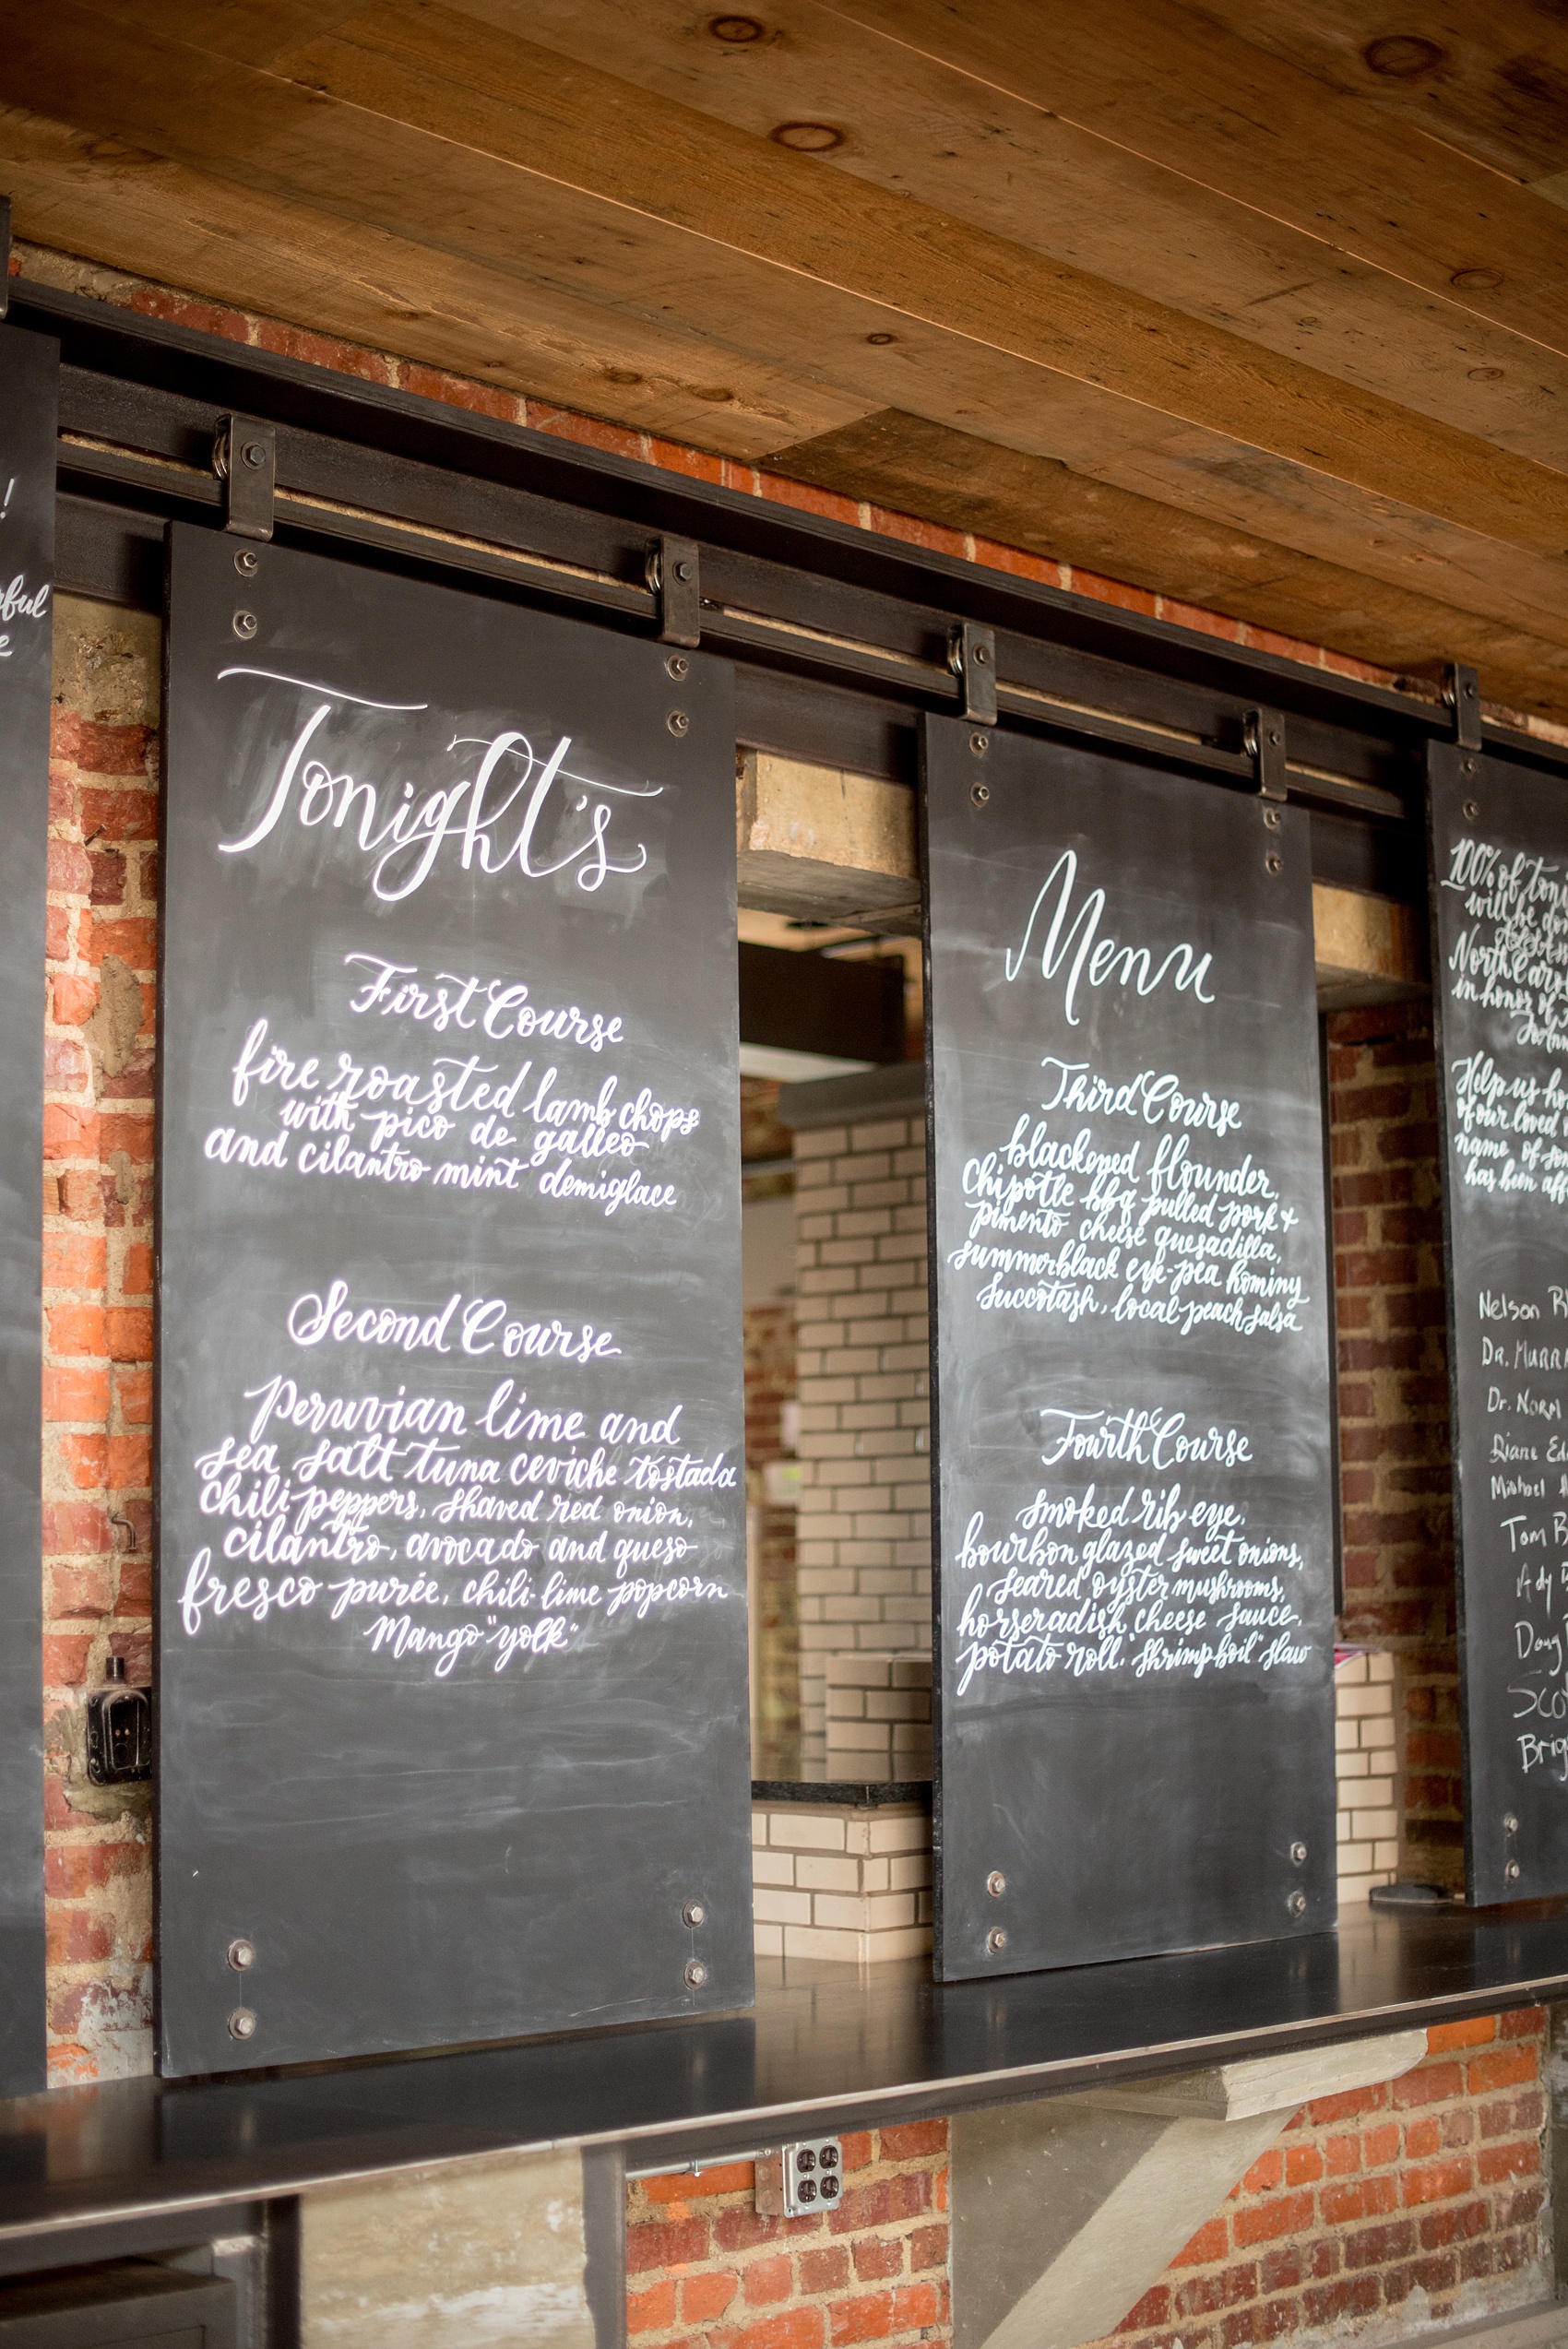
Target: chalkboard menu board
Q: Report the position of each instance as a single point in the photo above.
(1133, 1434)
(1499, 838)
(29, 409)
(453, 1719)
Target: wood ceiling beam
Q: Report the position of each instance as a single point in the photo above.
(484, 108)
(913, 466)
(137, 211)
(1491, 80)
(1180, 87)
(914, 125)
(564, 185)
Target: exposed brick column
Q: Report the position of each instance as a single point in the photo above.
(770, 1383)
(98, 1321)
(1399, 1591)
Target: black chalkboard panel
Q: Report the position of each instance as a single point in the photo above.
(1132, 1435)
(1499, 839)
(29, 409)
(453, 1723)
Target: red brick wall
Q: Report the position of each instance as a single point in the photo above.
(97, 1320)
(704, 2271)
(1399, 1591)
(1424, 2197)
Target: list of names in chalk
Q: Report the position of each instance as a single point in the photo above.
(1500, 920)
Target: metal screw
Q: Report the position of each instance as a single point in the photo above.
(981, 656)
(1466, 766)
(695, 1973)
(1297, 1904)
(1271, 819)
(245, 562)
(683, 570)
(241, 2023)
(1274, 862)
(980, 744)
(1469, 689)
(1299, 1853)
(693, 1914)
(676, 666)
(996, 1883)
(1509, 1823)
(244, 624)
(1511, 1873)
(1471, 811)
(253, 454)
(980, 793)
(677, 721)
(241, 1955)
(996, 1941)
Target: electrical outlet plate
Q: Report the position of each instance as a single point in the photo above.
(813, 2175)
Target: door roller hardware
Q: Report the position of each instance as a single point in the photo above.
(119, 1730)
(1264, 733)
(971, 656)
(244, 457)
(1462, 693)
(673, 570)
(799, 2178)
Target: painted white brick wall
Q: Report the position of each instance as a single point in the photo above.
(879, 1714)
(833, 1882)
(1364, 1765)
(864, 1527)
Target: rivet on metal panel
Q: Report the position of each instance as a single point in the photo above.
(980, 744)
(677, 721)
(996, 1941)
(247, 562)
(241, 2023)
(980, 793)
(1511, 1873)
(241, 1954)
(695, 1973)
(1297, 1904)
(1471, 810)
(244, 624)
(996, 1883)
(1274, 862)
(1509, 1823)
(693, 1914)
(676, 666)
(1271, 818)
(1299, 1853)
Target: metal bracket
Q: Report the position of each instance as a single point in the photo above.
(244, 457)
(1461, 691)
(971, 656)
(675, 575)
(1266, 747)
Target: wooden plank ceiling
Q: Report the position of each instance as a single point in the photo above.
(1264, 306)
